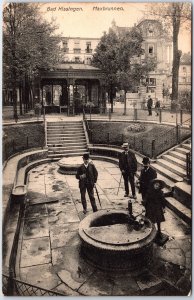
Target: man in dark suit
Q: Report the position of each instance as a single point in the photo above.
(128, 167)
(146, 176)
(149, 105)
(87, 175)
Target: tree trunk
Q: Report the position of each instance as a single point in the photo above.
(176, 59)
(20, 93)
(125, 105)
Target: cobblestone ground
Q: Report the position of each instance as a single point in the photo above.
(49, 246)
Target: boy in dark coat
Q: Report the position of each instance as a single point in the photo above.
(146, 176)
(128, 167)
(87, 175)
(155, 203)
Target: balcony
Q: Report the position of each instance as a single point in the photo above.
(88, 50)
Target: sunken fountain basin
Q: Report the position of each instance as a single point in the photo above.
(69, 165)
(110, 242)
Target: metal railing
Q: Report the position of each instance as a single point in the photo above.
(89, 131)
(160, 116)
(189, 165)
(15, 287)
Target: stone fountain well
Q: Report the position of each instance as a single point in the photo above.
(112, 240)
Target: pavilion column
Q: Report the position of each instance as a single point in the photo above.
(70, 88)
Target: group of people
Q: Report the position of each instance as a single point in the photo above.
(149, 186)
(150, 105)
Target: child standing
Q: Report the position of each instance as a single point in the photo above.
(155, 204)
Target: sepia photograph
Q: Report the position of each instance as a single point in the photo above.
(96, 149)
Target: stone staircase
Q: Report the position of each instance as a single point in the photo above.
(66, 139)
(171, 168)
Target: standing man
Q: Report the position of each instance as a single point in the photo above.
(87, 175)
(146, 176)
(149, 105)
(128, 167)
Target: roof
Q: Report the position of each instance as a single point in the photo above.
(74, 66)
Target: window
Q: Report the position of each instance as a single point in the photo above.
(151, 81)
(184, 69)
(65, 46)
(88, 60)
(151, 50)
(77, 59)
(88, 47)
(77, 50)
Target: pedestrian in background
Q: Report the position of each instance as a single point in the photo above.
(146, 176)
(128, 167)
(157, 106)
(155, 204)
(87, 175)
(149, 105)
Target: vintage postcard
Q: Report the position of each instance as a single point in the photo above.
(97, 164)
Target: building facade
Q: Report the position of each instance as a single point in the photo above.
(78, 50)
(185, 73)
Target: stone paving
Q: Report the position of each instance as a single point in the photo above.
(49, 246)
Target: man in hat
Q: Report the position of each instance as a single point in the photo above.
(146, 176)
(149, 105)
(87, 175)
(128, 167)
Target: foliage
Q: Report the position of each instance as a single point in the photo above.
(174, 16)
(29, 44)
(119, 56)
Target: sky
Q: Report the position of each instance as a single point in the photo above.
(84, 20)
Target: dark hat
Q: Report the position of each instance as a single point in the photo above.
(161, 182)
(146, 160)
(125, 145)
(86, 156)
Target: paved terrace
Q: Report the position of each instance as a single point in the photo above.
(49, 246)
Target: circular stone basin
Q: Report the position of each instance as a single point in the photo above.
(112, 242)
(69, 165)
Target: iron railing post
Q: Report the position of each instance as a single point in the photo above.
(177, 134)
(109, 114)
(160, 115)
(181, 117)
(153, 148)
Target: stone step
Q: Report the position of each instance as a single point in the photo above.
(175, 160)
(63, 127)
(67, 134)
(178, 155)
(66, 151)
(182, 192)
(186, 146)
(182, 150)
(71, 130)
(179, 209)
(67, 144)
(61, 148)
(166, 173)
(61, 155)
(64, 123)
(171, 167)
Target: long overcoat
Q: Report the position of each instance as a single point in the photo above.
(131, 165)
(146, 176)
(91, 175)
(154, 205)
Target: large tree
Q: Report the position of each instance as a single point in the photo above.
(119, 56)
(29, 45)
(174, 16)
